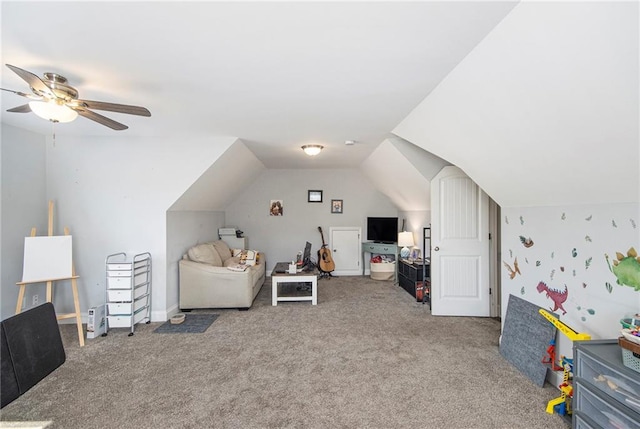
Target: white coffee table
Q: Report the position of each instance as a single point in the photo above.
(302, 277)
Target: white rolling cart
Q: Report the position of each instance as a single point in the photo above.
(128, 294)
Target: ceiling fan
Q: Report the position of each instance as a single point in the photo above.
(54, 99)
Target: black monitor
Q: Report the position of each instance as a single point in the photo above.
(307, 265)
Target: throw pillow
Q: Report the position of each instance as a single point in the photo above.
(205, 254)
(223, 249)
(248, 257)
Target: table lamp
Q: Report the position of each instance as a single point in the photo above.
(405, 239)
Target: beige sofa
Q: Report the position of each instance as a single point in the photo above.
(208, 281)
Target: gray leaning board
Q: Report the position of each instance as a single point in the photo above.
(525, 338)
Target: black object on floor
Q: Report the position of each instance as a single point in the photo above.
(32, 343)
(9, 390)
(193, 324)
(525, 338)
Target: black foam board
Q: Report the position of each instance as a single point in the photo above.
(9, 390)
(525, 339)
(34, 344)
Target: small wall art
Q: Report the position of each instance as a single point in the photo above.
(314, 196)
(276, 208)
(336, 206)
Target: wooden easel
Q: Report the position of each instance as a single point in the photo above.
(74, 286)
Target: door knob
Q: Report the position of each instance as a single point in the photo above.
(436, 248)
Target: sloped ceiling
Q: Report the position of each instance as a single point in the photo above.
(274, 74)
(544, 111)
(403, 173)
(236, 169)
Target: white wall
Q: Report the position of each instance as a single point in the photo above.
(185, 229)
(281, 237)
(570, 244)
(113, 194)
(415, 222)
(24, 206)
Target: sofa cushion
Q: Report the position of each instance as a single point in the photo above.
(223, 249)
(205, 254)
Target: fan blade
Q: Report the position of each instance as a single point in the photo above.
(20, 109)
(100, 119)
(34, 81)
(113, 107)
(22, 94)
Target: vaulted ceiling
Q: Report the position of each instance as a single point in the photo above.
(275, 74)
(536, 101)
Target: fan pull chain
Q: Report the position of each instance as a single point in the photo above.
(53, 131)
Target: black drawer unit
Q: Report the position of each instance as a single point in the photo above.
(410, 278)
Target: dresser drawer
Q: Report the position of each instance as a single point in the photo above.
(119, 266)
(580, 421)
(125, 295)
(126, 308)
(386, 249)
(119, 282)
(621, 386)
(125, 321)
(603, 411)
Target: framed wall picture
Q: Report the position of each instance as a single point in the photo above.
(276, 208)
(336, 206)
(314, 196)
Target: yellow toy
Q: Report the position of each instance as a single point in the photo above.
(562, 404)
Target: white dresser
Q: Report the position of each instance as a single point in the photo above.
(128, 294)
(235, 242)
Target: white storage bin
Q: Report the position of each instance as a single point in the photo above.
(125, 321)
(383, 270)
(128, 290)
(117, 266)
(119, 282)
(126, 307)
(124, 295)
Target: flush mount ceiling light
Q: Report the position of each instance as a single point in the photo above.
(312, 149)
(53, 111)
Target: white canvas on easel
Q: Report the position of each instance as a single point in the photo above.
(47, 258)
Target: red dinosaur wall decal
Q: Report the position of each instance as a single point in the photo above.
(558, 297)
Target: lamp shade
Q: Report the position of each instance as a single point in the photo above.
(312, 149)
(405, 239)
(52, 111)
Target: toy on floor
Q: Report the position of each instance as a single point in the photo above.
(562, 404)
(550, 358)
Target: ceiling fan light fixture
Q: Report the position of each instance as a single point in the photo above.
(52, 111)
(312, 149)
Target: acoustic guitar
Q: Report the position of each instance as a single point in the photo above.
(325, 262)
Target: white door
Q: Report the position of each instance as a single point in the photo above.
(459, 246)
(345, 244)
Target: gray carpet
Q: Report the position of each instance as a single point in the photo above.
(367, 356)
(193, 324)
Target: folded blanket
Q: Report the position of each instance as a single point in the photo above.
(237, 267)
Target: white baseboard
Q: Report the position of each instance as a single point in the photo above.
(163, 316)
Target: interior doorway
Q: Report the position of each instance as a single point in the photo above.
(495, 256)
(345, 244)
